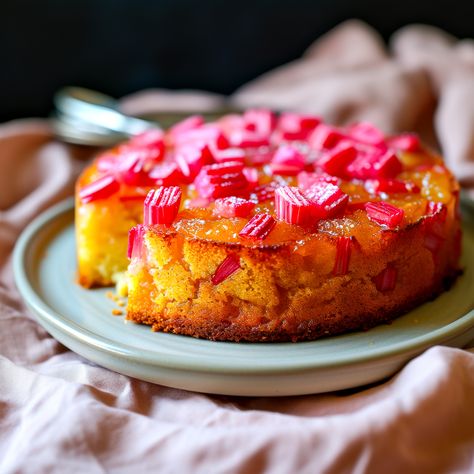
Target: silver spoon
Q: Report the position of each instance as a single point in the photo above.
(87, 117)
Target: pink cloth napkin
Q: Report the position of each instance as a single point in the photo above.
(61, 413)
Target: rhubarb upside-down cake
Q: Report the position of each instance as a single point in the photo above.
(259, 227)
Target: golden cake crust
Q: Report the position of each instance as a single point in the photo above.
(102, 234)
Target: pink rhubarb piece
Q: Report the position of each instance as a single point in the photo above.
(294, 126)
(102, 188)
(162, 205)
(343, 255)
(386, 280)
(191, 158)
(261, 121)
(190, 123)
(384, 213)
(221, 180)
(336, 161)
(228, 267)
(287, 160)
(391, 186)
(233, 206)
(166, 174)
(375, 164)
(292, 206)
(328, 200)
(135, 241)
(151, 140)
(408, 142)
(306, 179)
(367, 133)
(325, 137)
(258, 227)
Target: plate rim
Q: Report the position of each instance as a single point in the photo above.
(117, 348)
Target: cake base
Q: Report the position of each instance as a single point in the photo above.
(290, 330)
(286, 293)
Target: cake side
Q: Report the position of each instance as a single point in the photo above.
(102, 228)
(286, 293)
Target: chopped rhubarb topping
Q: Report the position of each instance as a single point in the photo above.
(386, 279)
(230, 154)
(252, 177)
(384, 213)
(221, 180)
(343, 255)
(258, 227)
(162, 205)
(151, 140)
(289, 155)
(408, 142)
(264, 192)
(166, 174)
(293, 126)
(233, 207)
(336, 161)
(367, 133)
(307, 179)
(328, 200)
(283, 169)
(293, 207)
(376, 164)
(108, 162)
(325, 137)
(292, 120)
(390, 186)
(134, 169)
(221, 169)
(191, 158)
(210, 135)
(288, 161)
(187, 164)
(149, 154)
(190, 123)
(259, 156)
(153, 137)
(219, 141)
(248, 139)
(221, 186)
(291, 135)
(261, 121)
(228, 267)
(387, 166)
(230, 122)
(135, 241)
(102, 188)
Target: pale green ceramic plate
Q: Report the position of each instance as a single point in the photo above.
(82, 320)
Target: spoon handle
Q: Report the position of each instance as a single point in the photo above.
(85, 115)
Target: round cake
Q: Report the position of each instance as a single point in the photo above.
(260, 227)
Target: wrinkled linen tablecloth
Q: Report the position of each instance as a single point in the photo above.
(62, 413)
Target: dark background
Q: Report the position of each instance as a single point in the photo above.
(121, 46)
